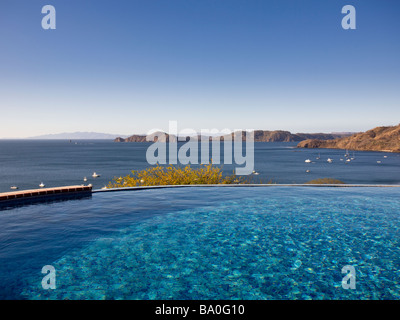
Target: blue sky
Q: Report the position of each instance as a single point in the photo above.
(130, 66)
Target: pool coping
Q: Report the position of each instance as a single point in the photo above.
(246, 185)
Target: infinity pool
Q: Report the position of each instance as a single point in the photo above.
(206, 243)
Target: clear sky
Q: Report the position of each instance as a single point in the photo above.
(130, 66)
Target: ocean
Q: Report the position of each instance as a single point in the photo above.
(27, 163)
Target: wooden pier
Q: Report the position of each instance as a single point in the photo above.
(45, 194)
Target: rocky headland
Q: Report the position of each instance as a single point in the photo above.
(385, 139)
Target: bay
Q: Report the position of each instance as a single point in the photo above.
(27, 163)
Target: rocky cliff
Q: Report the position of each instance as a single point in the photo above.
(378, 139)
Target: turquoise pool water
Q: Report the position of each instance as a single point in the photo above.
(206, 243)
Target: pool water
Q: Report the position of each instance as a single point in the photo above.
(206, 243)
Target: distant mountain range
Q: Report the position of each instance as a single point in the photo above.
(378, 139)
(259, 136)
(78, 136)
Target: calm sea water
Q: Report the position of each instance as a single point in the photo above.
(27, 163)
(206, 243)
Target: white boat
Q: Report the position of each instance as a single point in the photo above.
(379, 161)
(42, 185)
(348, 160)
(104, 188)
(307, 161)
(85, 179)
(255, 173)
(13, 187)
(307, 171)
(329, 160)
(319, 156)
(95, 175)
(385, 156)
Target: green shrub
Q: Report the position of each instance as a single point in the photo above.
(170, 175)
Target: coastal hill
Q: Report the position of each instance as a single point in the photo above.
(378, 139)
(260, 136)
(141, 138)
(286, 136)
